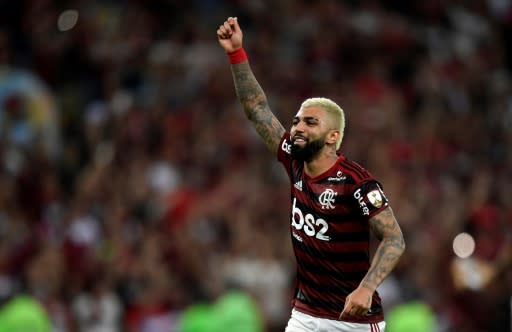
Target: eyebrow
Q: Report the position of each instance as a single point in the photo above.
(306, 118)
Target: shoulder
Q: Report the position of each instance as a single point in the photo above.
(354, 170)
(284, 155)
(285, 145)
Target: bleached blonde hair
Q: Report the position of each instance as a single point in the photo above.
(333, 109)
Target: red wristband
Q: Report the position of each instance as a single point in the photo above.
(237, 56)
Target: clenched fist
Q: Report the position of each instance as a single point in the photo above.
(230, 35)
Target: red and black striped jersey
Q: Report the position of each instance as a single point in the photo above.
(330, 233)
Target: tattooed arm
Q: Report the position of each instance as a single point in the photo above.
(392, 245)
(248, 90)
(256, 106)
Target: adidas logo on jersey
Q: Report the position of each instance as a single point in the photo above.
(298, 185)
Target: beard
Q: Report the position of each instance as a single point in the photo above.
(308, 151)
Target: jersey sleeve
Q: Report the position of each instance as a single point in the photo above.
(369, 199)
(284, 153)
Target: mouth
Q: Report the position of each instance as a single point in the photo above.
(299, 140)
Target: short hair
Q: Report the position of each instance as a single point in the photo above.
(333, 109)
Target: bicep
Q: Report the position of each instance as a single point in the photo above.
(385, 225)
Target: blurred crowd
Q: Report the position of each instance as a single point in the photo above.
(133, 187)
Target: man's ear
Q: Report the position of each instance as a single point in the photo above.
(333, 136)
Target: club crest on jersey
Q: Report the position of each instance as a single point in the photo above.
(327, 199)
(375, 198)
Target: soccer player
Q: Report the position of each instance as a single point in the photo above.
(335, 203)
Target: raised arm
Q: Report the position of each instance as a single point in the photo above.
(247, 88)
(392, 245)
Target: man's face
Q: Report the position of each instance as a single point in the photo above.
(308, 133)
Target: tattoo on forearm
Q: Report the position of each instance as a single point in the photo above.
(391, 247)
(255, 105)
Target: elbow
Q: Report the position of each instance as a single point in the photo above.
(397, 242)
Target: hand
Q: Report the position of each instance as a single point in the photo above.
(230, 35)
(358, 303)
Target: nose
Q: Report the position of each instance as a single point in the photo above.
(298, 127)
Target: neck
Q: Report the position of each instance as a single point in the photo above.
(325, 159)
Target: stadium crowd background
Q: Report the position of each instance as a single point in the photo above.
(132, 186)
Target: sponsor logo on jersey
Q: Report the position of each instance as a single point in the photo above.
(297, 236)
(333, 179)
(375, 198)
(362, 204)
(339, 177)
(327, 199)
(286, 146)
(298, 185)
(308, 224)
